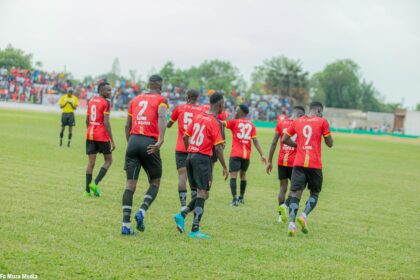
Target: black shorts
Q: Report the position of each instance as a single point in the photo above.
(94, 147)
(238, 164)
(285, 172)
(199, 169)
(136, 157)
(67, 119)
(302, 176)
(181, 159)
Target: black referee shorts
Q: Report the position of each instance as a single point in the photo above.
(67, 119)
(136, 157)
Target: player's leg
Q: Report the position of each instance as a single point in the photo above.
(63, 127)
(315, 186)
(284, 174)
(152, 165)
(202, 175)
(234, 167)
(70, 135)
(180, 159)
(132, 168)
(298, 184)
(105, 149)
(242, 174)
(89, 171)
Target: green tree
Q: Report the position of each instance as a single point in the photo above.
(418, 107)
(218, 75)
(282, 76)
(173, 77)
(370, 99)
(339, 84)
(11, 57)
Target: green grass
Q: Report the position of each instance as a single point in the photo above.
(366, 224)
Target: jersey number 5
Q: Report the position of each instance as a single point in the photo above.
(198, 136)
(187, 119)
(245, 132)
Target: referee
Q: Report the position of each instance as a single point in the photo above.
(68, 103)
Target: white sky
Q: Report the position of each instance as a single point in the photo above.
(383, 37)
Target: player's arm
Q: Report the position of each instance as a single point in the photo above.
(328, 140)
(170, 124)
(87, 121)
(271, 153)
(219, 154)
(288, 140)
(107, 124)
(186, 139)
(128, 127)
(62, 103)
(259, 149)
(162, 129)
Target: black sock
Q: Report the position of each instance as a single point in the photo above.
(101, 175)
(183, 198)
(88, 181)
(310, 204)
(198, 213)
(127, 205)
(294, 206)
(189, 208)
(61, 135)
(149, 197)
(193, 194)
(233, 187)
(243, 188)
(288, 201)
(70, 135)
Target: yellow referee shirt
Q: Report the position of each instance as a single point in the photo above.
(68, 108)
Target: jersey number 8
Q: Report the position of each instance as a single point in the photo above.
(93, 113)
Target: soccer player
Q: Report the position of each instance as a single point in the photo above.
(201, 136)
(184, 114)
(307, 167)
(243, 130)
(98, 137)
(285, 160)
(68, 104)
(145, 133)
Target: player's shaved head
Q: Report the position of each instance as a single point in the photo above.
(101, 85)
(316, 108)
(298, 111)
(155, 82)
(217, 102)
(192, 95)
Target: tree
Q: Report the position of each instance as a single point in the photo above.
(282, 76)
(418, 107)
(173, 77)
(370, 98)
(133, 75)
(116, 68)
(218, 75)
(339, 84)
(11, 57)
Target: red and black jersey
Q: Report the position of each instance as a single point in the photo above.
(98, 106)
(144, 112)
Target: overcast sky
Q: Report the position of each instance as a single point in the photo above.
(383, 37)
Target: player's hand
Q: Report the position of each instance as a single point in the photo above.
(225, 173)
(269, 167)
(264, 160)
(112, 146)
(151, 149)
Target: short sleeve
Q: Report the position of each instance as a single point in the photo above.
(61, 101)
(253, 131)
(230, 124)
(291, 130)
(175, 114)
(107, 107)
(217, 134)
(189, 130)
(130, 108)
(278, 128)
(325, 128)
(163, 102)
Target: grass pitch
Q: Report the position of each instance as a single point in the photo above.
(366, 224)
